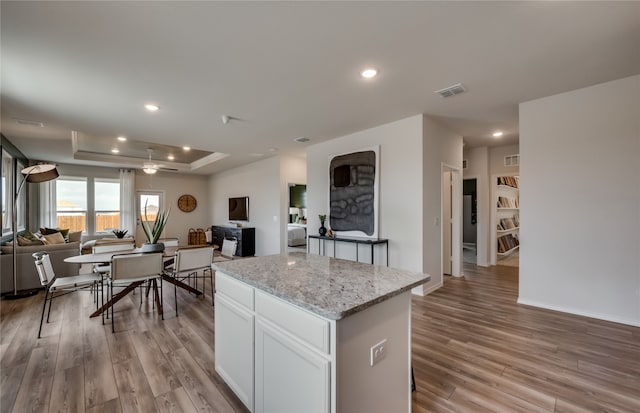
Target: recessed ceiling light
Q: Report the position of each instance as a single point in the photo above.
(255, 154)
(151, 107)
(115, 150)
(272, 149)
(171, 157)
(302, 139)
(122, 138)
(186, 148)
(369, 73)
(497, 134)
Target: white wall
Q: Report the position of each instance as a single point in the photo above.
(293, 170)
(441, 146)
(260, 181)
(412, 152)
(174, 185)
(478, 168)
(580, 201)
(496, 160)
(400, 218)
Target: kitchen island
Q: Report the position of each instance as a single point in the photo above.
(306, 333)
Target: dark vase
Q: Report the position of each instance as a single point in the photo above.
(322, 230)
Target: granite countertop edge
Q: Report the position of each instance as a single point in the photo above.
(323, 312)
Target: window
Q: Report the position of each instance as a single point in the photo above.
(149, 206)
(71, 203)
(7, 178)
(107, 204)
(87, 204)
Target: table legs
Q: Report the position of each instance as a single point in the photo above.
(116, 298)
(180, 284)
(127, 290)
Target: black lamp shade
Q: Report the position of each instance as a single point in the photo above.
(40, 173)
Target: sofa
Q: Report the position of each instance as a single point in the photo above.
(27, 276)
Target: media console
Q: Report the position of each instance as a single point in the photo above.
(246, 238)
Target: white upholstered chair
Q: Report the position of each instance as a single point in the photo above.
(59, 286)
(131, 271)
(189, 262)
(229, 247)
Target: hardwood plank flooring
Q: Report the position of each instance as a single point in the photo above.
(474, 350)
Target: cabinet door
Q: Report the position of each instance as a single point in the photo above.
(290, 377)
(234, 327)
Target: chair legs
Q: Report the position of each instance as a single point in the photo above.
(152, 284)
(44, 306)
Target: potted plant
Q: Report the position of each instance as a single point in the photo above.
(120, 233)
(153, 230)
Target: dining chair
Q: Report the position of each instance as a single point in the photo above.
(58, 286)
(169, 242)
(131, 271)
(191, 261)
(229, 247)
(114, 247)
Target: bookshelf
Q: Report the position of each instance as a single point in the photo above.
(507, 215)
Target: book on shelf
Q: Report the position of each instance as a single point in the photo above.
(506, 202)
(512, 181)
(507, 242)
(508, 223)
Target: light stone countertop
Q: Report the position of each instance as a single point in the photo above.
(330, 287)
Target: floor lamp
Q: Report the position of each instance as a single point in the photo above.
(34, 174)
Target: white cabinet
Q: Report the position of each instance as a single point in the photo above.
(304, 386)
(279, 357)
(234, 348)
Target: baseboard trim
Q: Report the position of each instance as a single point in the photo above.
(432, 288)
(574, 311)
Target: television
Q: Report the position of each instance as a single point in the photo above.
(239, 209)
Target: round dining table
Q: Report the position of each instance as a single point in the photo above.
(106, 257)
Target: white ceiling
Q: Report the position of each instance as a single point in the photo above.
(284, 70)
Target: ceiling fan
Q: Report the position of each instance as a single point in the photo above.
(151, 168)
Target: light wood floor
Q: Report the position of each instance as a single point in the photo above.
(475, 350)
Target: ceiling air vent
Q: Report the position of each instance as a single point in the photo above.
(464, 164)
(512, 160)
(451, 90)
(30, 123)
(302, 139)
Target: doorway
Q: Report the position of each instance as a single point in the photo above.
(154, 202)
(469, 221)
(451, 218)
(296, 224)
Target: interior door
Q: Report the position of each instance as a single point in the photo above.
(446, 222)
(154, 201)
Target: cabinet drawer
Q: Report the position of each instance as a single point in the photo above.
(234, 289)
(300, 323)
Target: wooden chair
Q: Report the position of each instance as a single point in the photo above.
(191, 261)
(58, 286)
(131, 271)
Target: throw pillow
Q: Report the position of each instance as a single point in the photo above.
(23, 241)
(65, 234)
(55, 238)
(75, 236)
(30, 236)
(49, 231)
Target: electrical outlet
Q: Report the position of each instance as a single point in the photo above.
(377, 352)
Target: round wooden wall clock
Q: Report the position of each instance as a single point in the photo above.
(187, 203)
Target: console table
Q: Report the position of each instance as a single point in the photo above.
(354, 240)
